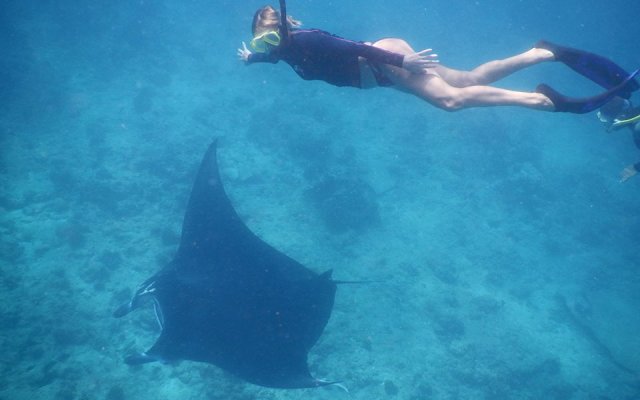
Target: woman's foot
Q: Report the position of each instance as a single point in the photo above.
(542, 54)
(548, 48)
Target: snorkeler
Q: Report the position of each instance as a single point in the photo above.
(391, 62)
(617, 114)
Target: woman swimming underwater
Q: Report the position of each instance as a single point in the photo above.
(318, 55)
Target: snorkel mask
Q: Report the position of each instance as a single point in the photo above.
(262, 42)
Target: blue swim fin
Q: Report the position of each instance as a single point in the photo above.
(581, 106)
(597, 68)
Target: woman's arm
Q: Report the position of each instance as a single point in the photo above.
(326, 42)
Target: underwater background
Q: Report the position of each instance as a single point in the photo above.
(504, 247)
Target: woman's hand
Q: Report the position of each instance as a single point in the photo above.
(628, 172)
(244, 53)
(419, 62)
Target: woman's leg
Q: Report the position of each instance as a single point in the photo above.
(484, 74)
(436, 91)
(434, 88)
(494, 70)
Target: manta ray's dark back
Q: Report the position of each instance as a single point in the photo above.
(230, 299)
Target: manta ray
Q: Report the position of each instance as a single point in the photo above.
(229, 299)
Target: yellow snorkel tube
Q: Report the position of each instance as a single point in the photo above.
(620, 123)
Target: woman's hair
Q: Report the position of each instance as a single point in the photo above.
(267, 18)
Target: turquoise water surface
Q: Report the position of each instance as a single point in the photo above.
(504, 247)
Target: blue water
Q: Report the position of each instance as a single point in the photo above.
(507, 248)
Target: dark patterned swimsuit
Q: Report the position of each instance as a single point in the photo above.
(319, 55)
